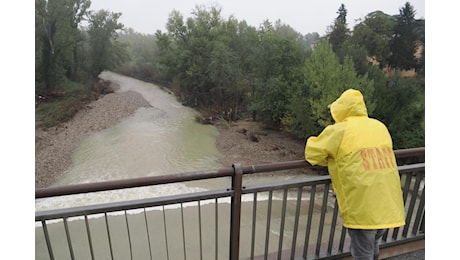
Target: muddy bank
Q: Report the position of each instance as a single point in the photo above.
(247, 142)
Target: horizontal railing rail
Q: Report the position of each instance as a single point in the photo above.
(291, 219)
(190, 176)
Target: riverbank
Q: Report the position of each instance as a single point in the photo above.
(248, 142)
(54, 146)
(244, 141)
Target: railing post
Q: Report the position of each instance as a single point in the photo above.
(237, 182)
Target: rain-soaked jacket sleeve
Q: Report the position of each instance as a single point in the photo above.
(319, 149)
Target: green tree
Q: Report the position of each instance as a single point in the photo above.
(172, 48)
(357, 54)
(224, 73)
(56, 40)
(277, 61)
(106, 51)
(201, 36)
(187, 51)
(403, 45)
(230, 65)
(325, 79)
(401, 106)
(339, 33)
(375, 34)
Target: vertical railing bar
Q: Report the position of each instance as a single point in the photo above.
(235, 216)
(343, 234)
(88, 232)
(69, 242)
(267, 231)
(47, 239)
(129, 235)
(217, 228)
(199, 229)
(108, 234)
(405, 195)
(166, 233)
(148, 233)
(406, 186)
(321, 220)
(183, 229)
(413, 199)
(420, 212)
(422, 223)
(254, 213)
(309, 220)
(421, 204)
(296, 221)
(385, 236)
(283, 219)
(333, 224)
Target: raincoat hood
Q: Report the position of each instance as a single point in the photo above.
(350, 103)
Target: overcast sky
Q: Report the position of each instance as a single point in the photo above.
(304, 16)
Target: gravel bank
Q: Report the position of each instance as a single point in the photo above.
(54, 146)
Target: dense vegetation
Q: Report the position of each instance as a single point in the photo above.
(68, 58)
(229, 69)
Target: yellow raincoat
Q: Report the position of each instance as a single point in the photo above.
(358, 152)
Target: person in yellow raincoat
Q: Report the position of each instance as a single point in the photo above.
(358, 152)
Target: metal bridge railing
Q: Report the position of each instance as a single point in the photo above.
(294, 219)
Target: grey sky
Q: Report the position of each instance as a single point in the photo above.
(304, 16)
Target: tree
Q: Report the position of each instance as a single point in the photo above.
(357, 54)
(56, 40)
(277, 61)
(188, 49)
(404, 43)
(325, 78)
(375, 34)
(339, 32)
(200, 41)
(311, 38)
(106, 51)
(224, 72)
(342, 17)
(401, 106)
(172, 48)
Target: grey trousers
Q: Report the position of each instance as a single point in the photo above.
(365, 243)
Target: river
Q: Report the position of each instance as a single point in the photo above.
(157, 140)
